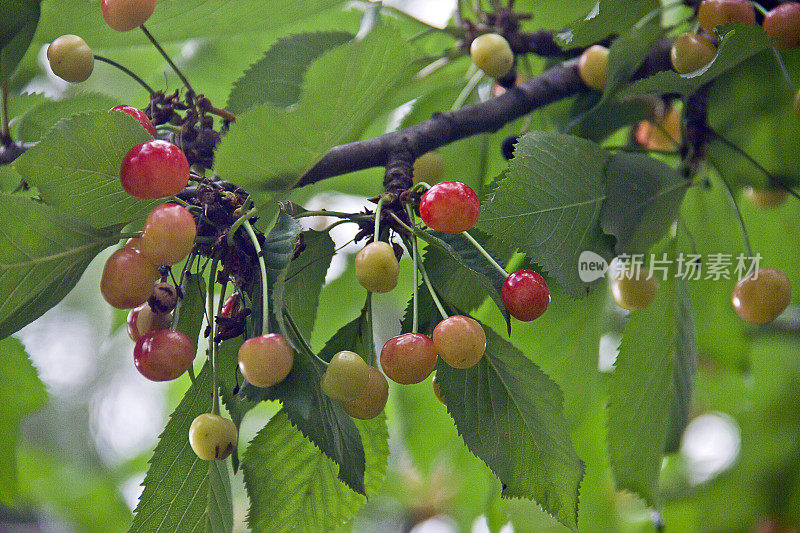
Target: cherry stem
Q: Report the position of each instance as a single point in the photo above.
(127, 71)
(736, 210)
(264, 287)
(378, 209)
(428, 284)
(784, 70)
(761, 9)
(169, 60)
(468, 88)
(485, 254)
(5, 134)
(298, 336)
(415, 256)
(212, 346)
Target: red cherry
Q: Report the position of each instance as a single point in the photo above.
(525, 295)
(450, 206)
(128, 279)
(231, 306)
(138, 115)
(154, 169)
(783, 25)
(408, 358)
(163, 354)
(168, 234)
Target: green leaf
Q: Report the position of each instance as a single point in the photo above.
(640, 395)
(34, 124)
(76, 167)
(643, 198)
(510, 415)
(355, 336)
(277, 77)
(606, 18)
(293, 486)
(740, 42)
(686, 356)
(192, 310)
(549, 203)
(181, 491)
(42, 255)
(268, 149)
(20, 19)
(454, 263)
(21, 392)
(278, 248)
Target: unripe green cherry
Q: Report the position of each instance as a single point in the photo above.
(691, 52)
(460, 341)
(634, 290)
(376, 267)
(128, 279)
(762, 296)
(593, 67)
(125, 15)
(429, 168)
(70, 58)
(492, 54)
(266, 360)
(766, 198)
(783, 25)
(212, 437)
(713, 13)
(346, 377)
(168, 234)
(373, 398)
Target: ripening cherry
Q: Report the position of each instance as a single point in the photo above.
(762, 296)
(231, 306)
(128, 279)
(376, 267)
(125, 15)
(163, 354)
(428, 167)
(460, 341)
(266, 360)
(372, 399)
(139, 115)
(212, 437)
(634, 291)
(437, 389)
(713, 13)
(525, 295)
(70, 58)
(593, 67)
(690, 52)
(450, 206)
(408, 358)
(168, 234)
(663, 134)
(143, 319)
(492, 54)
(346, 377)
(766, 198)
(783, 25)
(154, 169)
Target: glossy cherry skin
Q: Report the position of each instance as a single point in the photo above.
(783, 25)
(450, 206)
(168, 234)
(143, 319)
(128, 279)
(492, 54)
(139, 115)
(634, 291)
(376, 267)
(154, 169)
(70, 58)
(761, 298)
(212, 437)
(125, 15)
(231, 306)
(525, 295)
(690, 52)
(460, 341)
(346, 377)
(373, 398)
(408, 358)
(593, 67)
(266, 360)
(163, 355)
(713, 13)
